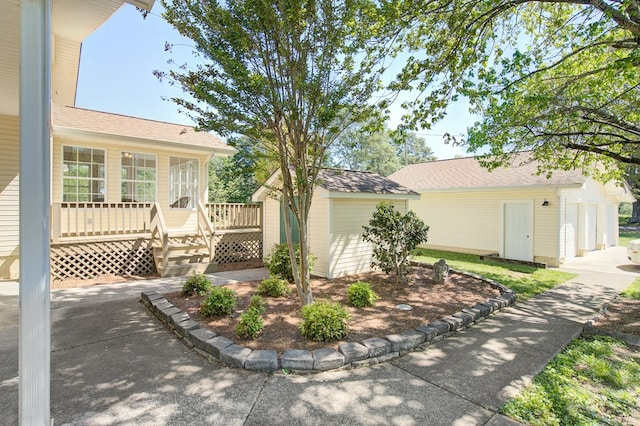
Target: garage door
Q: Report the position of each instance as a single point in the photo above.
(518, 227)
(592, 221)
(571, 231)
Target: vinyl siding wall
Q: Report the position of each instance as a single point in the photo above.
(319, 225)
(349, 254)
(473, 221)
(177, 220)
(271, 224)
(9, 201)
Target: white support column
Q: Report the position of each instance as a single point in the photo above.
(35, 327)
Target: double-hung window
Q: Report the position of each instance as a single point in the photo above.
(137, 177)
(183, 182)
(83, 174)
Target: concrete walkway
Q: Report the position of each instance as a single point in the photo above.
(112, 363)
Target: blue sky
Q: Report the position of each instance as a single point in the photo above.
(116, 76)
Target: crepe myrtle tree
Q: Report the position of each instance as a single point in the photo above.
(394, 235)
(290, 75)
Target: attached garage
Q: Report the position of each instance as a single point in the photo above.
(343, 202)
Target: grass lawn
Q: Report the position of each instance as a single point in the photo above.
(526, 281)
(592, 381)
(633, 291)
(625, 237)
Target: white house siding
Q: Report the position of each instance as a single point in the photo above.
(9, 201)
(472, 221)
(349, 253)
(271, 224)
(177, 220)
(318, 233)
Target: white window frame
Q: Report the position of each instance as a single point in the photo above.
(103, 179)
(183, 191)
(134, 182)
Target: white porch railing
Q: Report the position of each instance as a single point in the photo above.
(82, 220)
(159, 233)
(226, 216)
(206, 231)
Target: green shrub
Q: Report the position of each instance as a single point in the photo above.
(250, 325)
(274, 287)
(279, 264)
(323, 321)
(360, 295)
(393, 235)
(257, 304)
(196, 284)
(221, 301)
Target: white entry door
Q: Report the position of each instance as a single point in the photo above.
(571, 232)
(518, 229)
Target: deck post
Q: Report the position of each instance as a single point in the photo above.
(35, 329)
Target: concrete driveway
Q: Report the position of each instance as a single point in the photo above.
(114, 364)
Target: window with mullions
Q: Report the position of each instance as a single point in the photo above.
(83, 174)
(137, 177)
(183, 182)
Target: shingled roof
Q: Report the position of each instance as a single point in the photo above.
(349, 184)
(66, 118)
(468, 174)
(352, 181)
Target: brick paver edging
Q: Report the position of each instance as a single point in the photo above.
(348, 355)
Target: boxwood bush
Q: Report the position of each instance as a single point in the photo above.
(324, 321)
(196, 284)
(278, 262)
(274, 287)
(257, 304)
(250, 325)
(360, 294)
(221, 301)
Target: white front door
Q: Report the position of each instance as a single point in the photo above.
(571, 231)
(518, 229)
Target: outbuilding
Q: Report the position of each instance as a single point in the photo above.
(343, 202)
(514, 212)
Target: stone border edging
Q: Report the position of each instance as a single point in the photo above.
(348, 355)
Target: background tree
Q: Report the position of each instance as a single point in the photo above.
(235, 179)
(633, 180)
(557, 77)
(368, 148)
(291, 74)
(411, 148)
(361, 148)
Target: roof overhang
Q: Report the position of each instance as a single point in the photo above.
(364, 195)
(501, 188)
(621, 192)
(92, 136)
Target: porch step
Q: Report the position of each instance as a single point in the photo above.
(186, 254)
(188, 269)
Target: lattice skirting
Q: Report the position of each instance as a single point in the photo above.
(91, 259)
(238, 247)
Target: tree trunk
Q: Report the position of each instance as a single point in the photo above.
(635, 212)
(301, 274)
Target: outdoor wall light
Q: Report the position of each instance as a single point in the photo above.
(545, 203)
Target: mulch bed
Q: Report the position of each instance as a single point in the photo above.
(429, 301)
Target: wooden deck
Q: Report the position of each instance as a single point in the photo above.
(93, 239)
